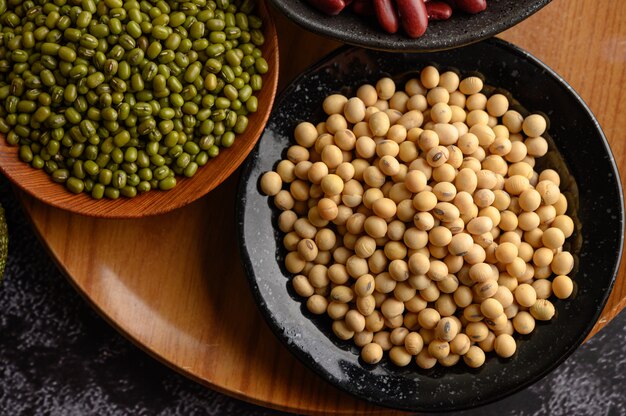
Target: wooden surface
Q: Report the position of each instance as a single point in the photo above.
(37, 182)
(174, 284)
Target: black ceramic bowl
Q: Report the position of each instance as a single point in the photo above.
(597, 243)
(461, 29)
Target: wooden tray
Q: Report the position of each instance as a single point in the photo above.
(174, 283)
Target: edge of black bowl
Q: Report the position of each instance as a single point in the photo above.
(429, 42)
(318, 369)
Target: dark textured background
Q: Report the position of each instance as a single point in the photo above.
(58, 357)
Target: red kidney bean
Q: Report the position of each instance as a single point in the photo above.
(438, 10)
(331, 7)
(470, 6)
(413, 17)
(387, 15)
(363, 7)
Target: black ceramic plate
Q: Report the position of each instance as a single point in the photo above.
(597, 244)
(461, 29)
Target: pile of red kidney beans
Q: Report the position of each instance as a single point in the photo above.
(411, 15)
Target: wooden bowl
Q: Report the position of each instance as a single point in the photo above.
(39, 184)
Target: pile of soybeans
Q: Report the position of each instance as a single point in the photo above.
(415, 220)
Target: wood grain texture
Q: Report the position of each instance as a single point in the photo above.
(174, 284)
(38, 183)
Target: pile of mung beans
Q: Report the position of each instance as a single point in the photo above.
(415, 220)
(116, 97)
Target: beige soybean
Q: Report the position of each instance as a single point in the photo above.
(444, 173)
(334, 104)
(429, 77)
(506, 252)
(536, 146)
(302, 286)
(439, 349)
(361, 339)
(565, 224)
(476, 101)
(317, 304)
(542, 310)
(447, 133)
(563, 263)
(550, 175)
(525, 295)
(477, 331)
(398, 101)
(271, 183)
(562, 286)
(484, 290)
(337, 310)
(397, 132)
(542, 257)
(286, 220)
(480, 225)
(505, 345)
(471, 85)
(400, 356)
(504, 296)
(286, 170)
(413, 343)
(367, 93)
(446, 329)
(389, 165)
(513, 121)
(345, 139)
(497, 105)
(549, 191)
(460, 345)
(543, 288)
(534, 125)
(475, 357)
(491, 308)
(385, 88)
(441, 112)
(355, 321)
(428, 318)
(305, 134)
(553, 238)
(424, 360)
(487, 344)
(382, 338)
(560, 205)
(384, 208)
(437, 95)
(530, 200)
(524, 323)
(479, 117)
(316, 172)
(372, 353)
(307, 249)
(365, 147)
(354, 110)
